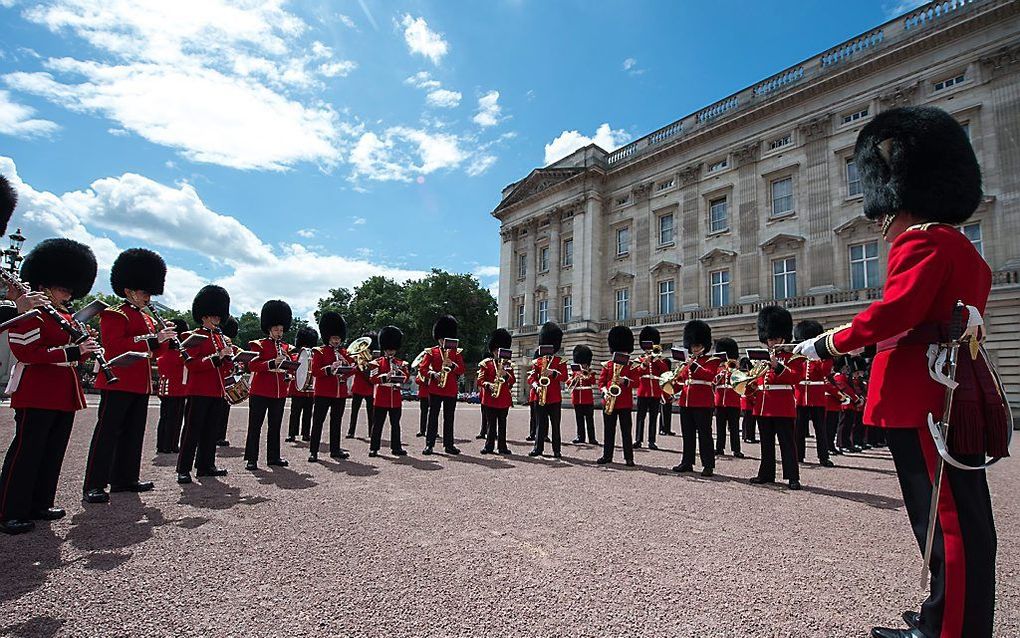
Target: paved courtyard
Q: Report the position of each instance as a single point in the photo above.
(478, 546)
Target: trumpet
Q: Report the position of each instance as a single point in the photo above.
(613, 390)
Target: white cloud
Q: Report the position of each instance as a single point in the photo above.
(422, 40)
(402, 153)
(631, 67)
(340, 68)
(422, 80)
(359, 221)
(488, 109)
(306, 233)
(569, 141)
(480, 164)
(486, 272)
(346, 20)
(443, 98)
(16, 119)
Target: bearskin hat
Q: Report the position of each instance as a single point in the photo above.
(138, 269)
(918, 159)
(390, 338)
(807, 329)
(582, 355)
(697, 332)
(276, 313)
(375, 341)
(445, 328)
(61, 262)
(306, 337)
(8, 200)
(621, 339)
(180, 326)
(211, 301)
(648, 333)
(550, 335)
(230, 327)
(775, 322)
(331, 324)
(500, 338)
(728, 347)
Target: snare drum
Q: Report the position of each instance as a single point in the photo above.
(237, 391)
(303, 379)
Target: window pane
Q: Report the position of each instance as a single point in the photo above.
(568, 252)
(665, 229)
(782, 196)
(717, 215)
(853, 180)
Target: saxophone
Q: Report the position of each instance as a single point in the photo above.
(497, 383)
(444, 374)
(613, 390)
(544, 380)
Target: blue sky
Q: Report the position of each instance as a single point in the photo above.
(284, 148)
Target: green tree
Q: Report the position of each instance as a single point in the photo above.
(110, 300)
(249, 328)
(338, 300)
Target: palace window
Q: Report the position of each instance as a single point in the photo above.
(623, 199)
(853, 179)
(543, 311)
(721, 165)
(864, 265)
(948, 82)
(784, 278)
(782, 196)
(966, 128)
(666, 229)
(622, 304)
(667, 297)
(520, 315)
(666, 184)
(781, 142)
(568, 308)
(543, 259)
(856, 115)
(568, 253)
(622, 241)
(973, 233)
(717, 215)
(720, 288)
(522, 266)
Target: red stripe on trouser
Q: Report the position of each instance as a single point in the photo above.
(955, 579)
(10, 468)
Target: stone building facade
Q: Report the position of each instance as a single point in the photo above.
(755, 199)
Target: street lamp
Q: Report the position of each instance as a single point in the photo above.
(13, 254)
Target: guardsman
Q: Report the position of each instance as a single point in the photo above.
(833, 408)
(532, 403)
(301, 402)
(423, 398)
(697, 399)
(810, 395)
(582, 394)
(616, 381)
(775, 406)
(362, 391)
(727, 401)
(232, 371)
(172, 394)
(747, 419)
(442, 366)
(848, 401)
(649, 394)
(388, 375)
(206, 365)
(268, 384)
(331, 367)
(115, 454)
(549, 371)
(16, 302)
(495, 385)
(44, 387)
(920, 174)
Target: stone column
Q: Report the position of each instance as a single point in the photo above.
(748, 224)
(1003, 225)
(642, 239)
(529, 278)
(816, 208)
(691, 280)
(506, 277)
(594, 275)
(580, 269)
(554, 268)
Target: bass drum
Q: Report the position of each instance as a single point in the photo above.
(237, 391)
(303, 378)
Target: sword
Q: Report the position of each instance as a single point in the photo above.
(955, 332)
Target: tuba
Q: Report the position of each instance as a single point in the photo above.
(361, 351)
(740, 380)
(668, 379)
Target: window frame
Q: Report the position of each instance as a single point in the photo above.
(567, 308)
(864, 260)
(787, 276)
(625, 300)
(620, 230)
(669, 295)
(522, 265)
(792, 210)
(723, 286)
(724, 198)
(672, 229)
(567, 254)
(543, 259)
(541, 308)
(978, 244)
(847, 163)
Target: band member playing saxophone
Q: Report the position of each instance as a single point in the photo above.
(495, 384)
(617, 381)
(649, 395)
(268, 384)
(582, 394)
(727, 401)
(442, 366)
(811, 399)
(172, 394)
(388, 376)
(548, 371)
(301, 399)
(330, 367)
(697, 399)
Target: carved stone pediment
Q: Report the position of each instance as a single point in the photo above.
(781, 242)
(621, 278)
(816, 127)
(903, 95)
(664, 266)
(690, 174)
(641, 191)
(747, 153)
(859, 225)
(539, 180)
(541, 290)
(717, 256)
(1001, 61)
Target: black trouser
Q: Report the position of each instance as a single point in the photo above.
(696, 428)
(222, 420)
(356, 402)
(201, 427)
(300, 416)
(115, 455)
(858, 429)
(532, 419)
(335, 408)
(727, 419)
(423, 415)
(495, 428)
(257, 409)
(667, 417)
(378, 418)
(585, 417)
(449, 405)
(28, 482)
(548, 418)
(831, 426)
(847, 418)
(171, 419)
(647, 406)
(771, 428)
(816, 414)
(481, 431)
(748, 424)
(609, 422)
(961, 601)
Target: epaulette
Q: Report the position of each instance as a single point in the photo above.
(117, 309)
(483, 362)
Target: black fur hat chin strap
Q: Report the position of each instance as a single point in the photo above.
(885, 151)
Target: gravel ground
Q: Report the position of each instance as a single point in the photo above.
(478, 545)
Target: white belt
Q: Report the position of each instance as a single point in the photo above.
(812, 383)
(722, 387)
(777, 387)
(585, 387)
(698, 382)
(649, 376)
(391, 385)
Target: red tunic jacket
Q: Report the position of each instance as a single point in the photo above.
(651, 368)
(328, 383)
(170, 365)
(725, 395)
(931, 266)
(699, 382)
(487, 371)
(629, 378)
(583, 387)
(44, 376)
(833, 400)
(205, 369)
(557, 374)
(124, 328)
(810, 391)
(434, 361)
(387, 392)
(775, 395)
(267, 380)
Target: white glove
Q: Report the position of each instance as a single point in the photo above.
(975, 324)
(807, 348)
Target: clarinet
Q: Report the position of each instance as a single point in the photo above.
(163, 325)
(76, 335)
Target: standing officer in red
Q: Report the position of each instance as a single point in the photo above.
(495, 384)
(442, 366)
(330, 367)
(532, 402)
(697, 399)
(549, 371)
(920, 174)
(423, 399)
(207, 363)
(388, 376)
(582, 394)
(727, 401)
(44, 387)
(747, 419)
(172, 393)
(649, 394)
(811, 400)
(268, 384)
(301, 402)
(362, 391)
(115, 455)
(616, 381)
(232, 371)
